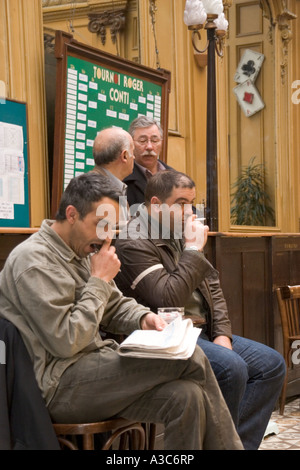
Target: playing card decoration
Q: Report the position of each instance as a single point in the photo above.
(249, 66)
(248, 98)
(246, 73)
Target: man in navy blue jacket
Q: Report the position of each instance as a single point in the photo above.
(147, 135)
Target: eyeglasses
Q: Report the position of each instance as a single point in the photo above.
(145, 140)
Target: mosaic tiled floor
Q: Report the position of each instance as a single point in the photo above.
(288, 428)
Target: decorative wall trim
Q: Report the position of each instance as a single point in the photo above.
(115, 20)
(56, 10)
(286, 36)
(55, 3)
(280, 16)
(49, 42)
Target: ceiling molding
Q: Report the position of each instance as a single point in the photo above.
(57, 10)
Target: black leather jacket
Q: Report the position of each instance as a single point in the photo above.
(25, 423)
(136, 184)
(152, 275)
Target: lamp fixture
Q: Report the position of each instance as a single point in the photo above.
(206, 14)
(209, 15)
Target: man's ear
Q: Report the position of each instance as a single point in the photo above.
(124, 156)
(155, 203)
(71, 214)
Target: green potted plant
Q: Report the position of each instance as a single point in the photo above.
(249, 200)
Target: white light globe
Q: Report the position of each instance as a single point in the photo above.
(221, 22)
(194, 13)
(213, 6)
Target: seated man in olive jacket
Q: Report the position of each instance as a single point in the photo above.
(58, 289)
(163, 266)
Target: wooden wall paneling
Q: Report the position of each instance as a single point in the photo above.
(8, 241)
(232, 285)
(285, 270)
(256, 305)
(243, 266)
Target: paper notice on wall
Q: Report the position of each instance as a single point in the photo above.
(6, 210)
(12, 136)
(12, 168)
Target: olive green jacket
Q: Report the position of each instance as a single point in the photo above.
(47, 292)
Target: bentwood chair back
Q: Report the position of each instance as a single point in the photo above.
(120, 434)
(289, 307)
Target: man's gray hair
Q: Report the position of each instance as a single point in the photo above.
(143, 122)
(110, 149)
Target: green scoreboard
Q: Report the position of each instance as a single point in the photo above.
(95, 90)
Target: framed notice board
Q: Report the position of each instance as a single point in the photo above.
(14, 165)
(95, 90)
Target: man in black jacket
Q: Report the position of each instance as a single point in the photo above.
(163, 265)
(147, 135)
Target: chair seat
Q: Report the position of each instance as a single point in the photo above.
(131, 434)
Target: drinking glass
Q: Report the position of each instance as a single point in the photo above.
(170, 313)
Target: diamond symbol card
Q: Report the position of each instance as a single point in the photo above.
(248, 98)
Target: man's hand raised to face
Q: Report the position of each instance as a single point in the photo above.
(105, 264)
(195, 233)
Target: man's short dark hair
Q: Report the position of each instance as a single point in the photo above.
(143, 122)
(83, 191)
(162, 184)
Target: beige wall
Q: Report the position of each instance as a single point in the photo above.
(22, 71)
(187, 112)
(272, 134)
(295, 111)
(287, 114)
(277, 127)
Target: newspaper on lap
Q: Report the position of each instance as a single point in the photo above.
(177, 341)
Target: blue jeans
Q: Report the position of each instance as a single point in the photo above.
(250, 377)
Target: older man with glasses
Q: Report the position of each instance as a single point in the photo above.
(147, 136)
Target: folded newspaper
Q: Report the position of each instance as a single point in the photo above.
(176, 341)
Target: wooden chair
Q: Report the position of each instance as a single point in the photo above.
(149, 428)
(124, 434)
(26, 420)
(289, 307)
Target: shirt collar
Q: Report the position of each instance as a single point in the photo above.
(56, 242)
(119, 184)
(148, 173)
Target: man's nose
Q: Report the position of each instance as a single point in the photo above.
(188, 209)
(149, 144)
